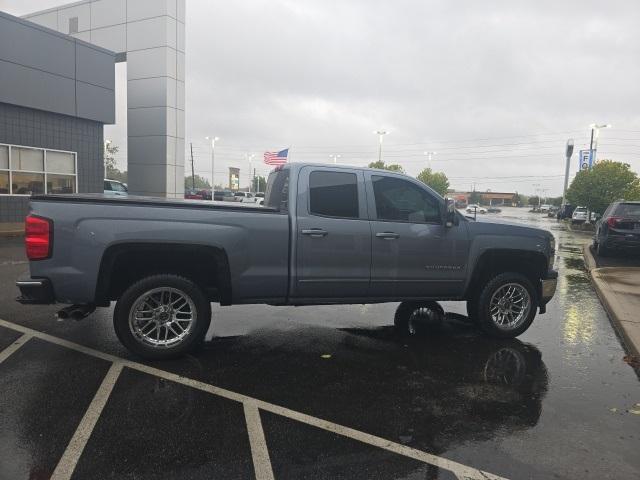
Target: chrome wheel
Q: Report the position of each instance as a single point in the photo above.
(162, 317)
(510, 306)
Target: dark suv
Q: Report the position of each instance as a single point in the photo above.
(618, 229)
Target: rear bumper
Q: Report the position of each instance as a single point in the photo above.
(35, 291)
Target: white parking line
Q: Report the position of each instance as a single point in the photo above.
(69, 460)
(460, 470)
(259, 450)
(6, 353)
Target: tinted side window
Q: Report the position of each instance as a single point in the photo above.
(277, 193)
(402, 201)
(107, 185)
(333, 194)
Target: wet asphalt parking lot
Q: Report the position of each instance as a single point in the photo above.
(322, 392)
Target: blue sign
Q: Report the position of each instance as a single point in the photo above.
(585, 160)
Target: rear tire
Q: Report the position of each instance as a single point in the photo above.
(162, 317)
(506, 305)
(405, 319)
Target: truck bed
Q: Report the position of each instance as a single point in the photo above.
(132, 200)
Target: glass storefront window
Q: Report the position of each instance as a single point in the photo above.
(60, 162)
(4, 182)
(22, 171)
(27, 159)
(60, 183)
(4, 157)
(27, 183)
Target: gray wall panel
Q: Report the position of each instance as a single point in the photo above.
(33, 88)
(33, 46)
(95, 103)
(38, 69)
(95, 67)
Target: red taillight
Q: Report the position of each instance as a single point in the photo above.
(37, 237)
(613, 221)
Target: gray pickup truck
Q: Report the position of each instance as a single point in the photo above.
(326, 234)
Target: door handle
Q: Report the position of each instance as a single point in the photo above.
(388, 235)
(315, 232)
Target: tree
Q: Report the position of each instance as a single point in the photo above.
(380, 165)
(200, 182)
(555, 201)
(436, 180)
(606, 182)
(112, 171)
(534, 200)
(259, 184)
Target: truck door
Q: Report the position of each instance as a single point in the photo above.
(413, 253)
(333, 238)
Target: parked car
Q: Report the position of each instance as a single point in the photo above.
(192, 195)
(618, 229)
(565, 211)
(116, 188)
(474, 207)
(327, 234)
(544, 208)
(553, 211)
(260, 198)
(493, 210)
(245, 197)
(223, 196)
(580, 215)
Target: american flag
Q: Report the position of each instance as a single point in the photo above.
(276, 158)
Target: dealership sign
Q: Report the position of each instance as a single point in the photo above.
(585, 160)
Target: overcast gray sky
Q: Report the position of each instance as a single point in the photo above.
(495, 88)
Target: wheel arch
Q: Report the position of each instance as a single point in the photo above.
(492, 262)
(123, 264)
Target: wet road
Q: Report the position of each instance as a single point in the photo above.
(552, 404)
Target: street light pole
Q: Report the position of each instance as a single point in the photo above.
(380, 134)
(429, 157)
(568, 153)
(213, 158)
(335, 157)
(593, 144)
(249, 178)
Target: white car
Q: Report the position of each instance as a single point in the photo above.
(244, 197)
(544, 208)
(580, 215)
(471, 208)
(114, 187)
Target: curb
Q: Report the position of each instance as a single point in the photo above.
(628, 331)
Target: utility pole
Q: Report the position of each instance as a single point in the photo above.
(193, 173)
(213, 157)
(568, 152)
(380, 134)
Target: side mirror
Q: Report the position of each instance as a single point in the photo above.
(451, 216)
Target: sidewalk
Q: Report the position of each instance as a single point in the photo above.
(619, 291)
(11, 229)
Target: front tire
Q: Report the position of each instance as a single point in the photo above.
(506, 305)
(162, 316)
